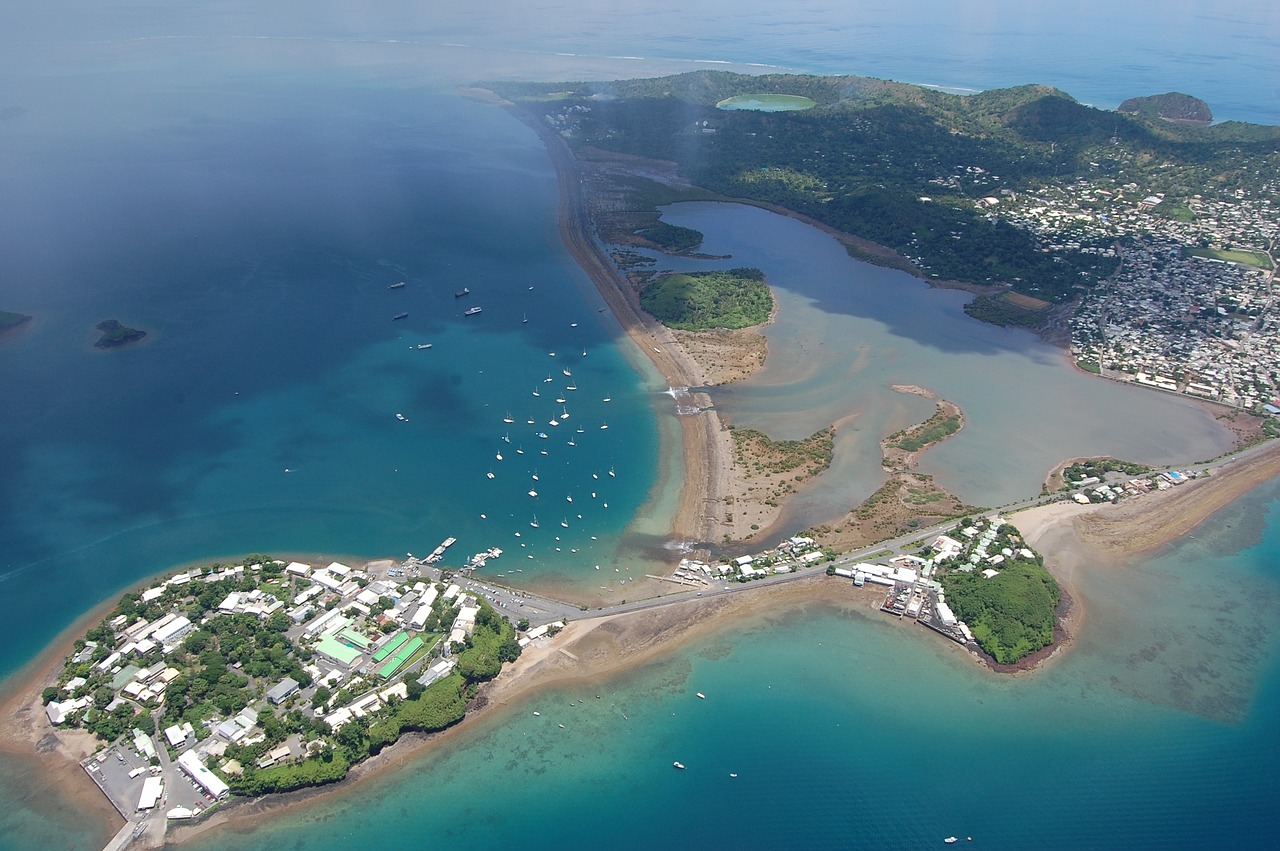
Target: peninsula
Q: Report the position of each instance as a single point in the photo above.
(273, 677)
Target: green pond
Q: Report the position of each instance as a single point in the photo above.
(768, 103)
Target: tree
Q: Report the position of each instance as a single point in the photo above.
(48, 695)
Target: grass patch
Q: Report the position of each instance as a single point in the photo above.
(1256, 259)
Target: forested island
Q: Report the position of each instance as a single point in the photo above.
(115, 335)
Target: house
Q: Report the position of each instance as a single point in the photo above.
(283, 690)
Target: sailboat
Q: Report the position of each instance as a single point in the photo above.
(508, 418)
(525, 320)
(535, 392)
(489, 474)
(533, 493)
(612, 473)
(534, 522)
(565, 415)
(565, 523)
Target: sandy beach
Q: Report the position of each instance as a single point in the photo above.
(1072, 538)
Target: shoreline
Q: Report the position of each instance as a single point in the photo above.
(705, 457)
(1073, 538)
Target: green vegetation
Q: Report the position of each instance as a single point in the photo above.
(1011, 614)
(1100, 467)
(115, 335)
(11, 320)
(938, 427)
(736, 298)
(909, 168)
(998, 311)
(491, 643)
(1171, 106)
(672, 238)
(228, 658)
(1256, 259)
(759, 453)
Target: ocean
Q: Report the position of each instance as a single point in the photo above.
(245, 183)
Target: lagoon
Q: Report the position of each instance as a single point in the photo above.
(847, 331)
(767, 103)
(245, 180)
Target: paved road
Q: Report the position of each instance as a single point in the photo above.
(549, 610)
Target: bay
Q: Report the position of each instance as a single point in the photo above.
(244, 182)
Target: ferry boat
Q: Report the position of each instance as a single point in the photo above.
(395, 286)
(464, 291)
(471, 311)
(399, 316)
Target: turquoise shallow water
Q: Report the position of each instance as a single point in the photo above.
(244, 182)
(847, 729)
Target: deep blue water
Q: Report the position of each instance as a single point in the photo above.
(244, 181)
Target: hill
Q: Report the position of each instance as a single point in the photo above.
(916, 170)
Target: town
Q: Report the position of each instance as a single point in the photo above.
(267, 676)
(1190, 306)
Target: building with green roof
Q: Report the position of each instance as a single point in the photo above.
(402, 655)
(391, 645)
(334, 650)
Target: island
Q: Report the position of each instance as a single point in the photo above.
(266, 676)
(271, 676)
(9, 320)
(115, 335)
